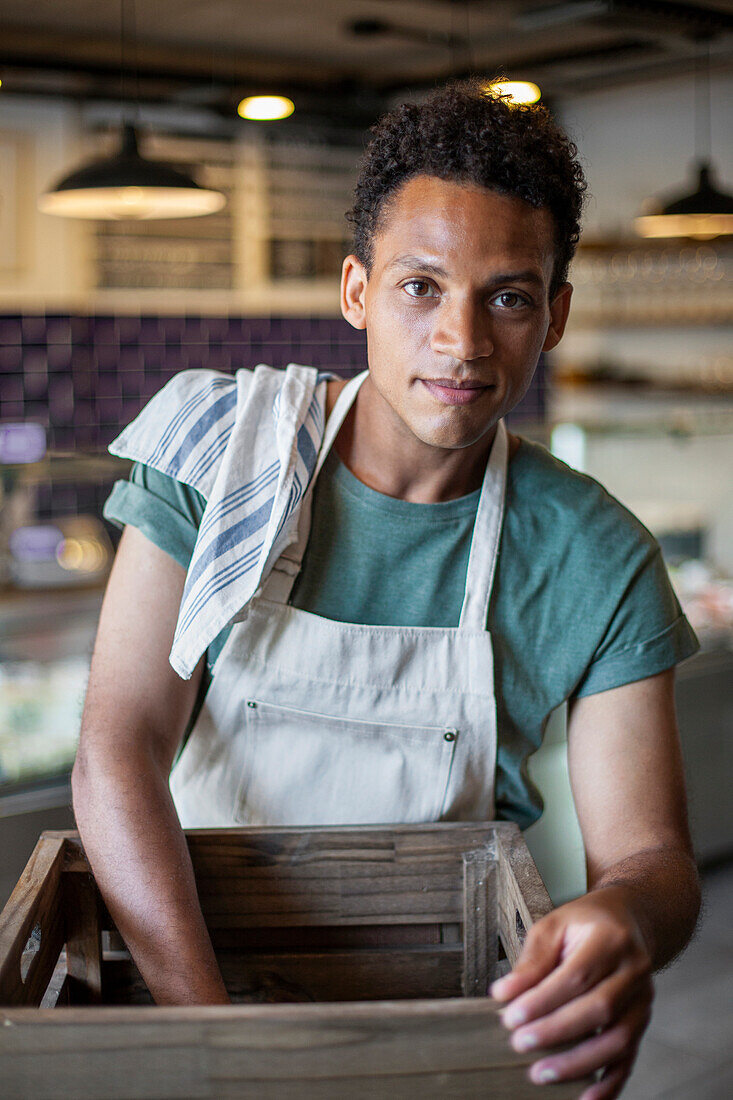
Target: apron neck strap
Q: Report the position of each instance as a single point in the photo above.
(343, 403)
(486, 535)
(280, 581)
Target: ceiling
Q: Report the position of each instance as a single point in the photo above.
(346, 58)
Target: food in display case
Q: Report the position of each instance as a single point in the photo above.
(40, 715)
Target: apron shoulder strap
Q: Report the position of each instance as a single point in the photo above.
(486, 538)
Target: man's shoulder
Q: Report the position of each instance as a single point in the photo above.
(567, 507)
(585, 579)
(193, 409)
(184, 428)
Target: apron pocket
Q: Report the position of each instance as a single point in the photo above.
(304, 768)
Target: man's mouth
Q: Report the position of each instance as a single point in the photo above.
(451, 391)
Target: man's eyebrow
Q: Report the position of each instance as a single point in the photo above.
(411, 262)
(529, 275)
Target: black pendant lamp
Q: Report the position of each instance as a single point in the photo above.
(704, 214)
(127, 185)
(707, 212)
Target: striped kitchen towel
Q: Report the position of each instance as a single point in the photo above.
(248, 443)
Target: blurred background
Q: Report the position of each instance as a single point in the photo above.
(109, 285)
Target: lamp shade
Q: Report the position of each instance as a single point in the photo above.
(127, 185)
(703, 214)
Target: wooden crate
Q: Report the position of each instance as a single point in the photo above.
(377, 942)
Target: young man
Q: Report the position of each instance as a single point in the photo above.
(389, 608)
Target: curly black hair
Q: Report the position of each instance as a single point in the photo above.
(466, 134)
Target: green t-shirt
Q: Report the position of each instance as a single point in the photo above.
(581, 602)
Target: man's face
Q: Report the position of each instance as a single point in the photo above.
(458, 294)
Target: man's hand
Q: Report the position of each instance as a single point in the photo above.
(584, 977)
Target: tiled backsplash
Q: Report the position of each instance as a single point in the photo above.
(84, 377)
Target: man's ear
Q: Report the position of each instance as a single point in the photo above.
(353, 290)
(559, 310)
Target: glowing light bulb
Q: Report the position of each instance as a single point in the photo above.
(265, 108)
(518, 91)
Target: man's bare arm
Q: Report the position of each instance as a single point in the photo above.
(135, 714)
(585, 972)
(633, 809)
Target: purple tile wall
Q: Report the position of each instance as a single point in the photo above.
(85, 377)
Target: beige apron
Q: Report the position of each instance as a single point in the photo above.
(310, 721)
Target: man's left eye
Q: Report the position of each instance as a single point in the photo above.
(517, 299)
(419, 288)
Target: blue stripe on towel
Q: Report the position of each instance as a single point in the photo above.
(221, 579)
(227, 540)
(213, 414)
(306, 449)
(239, 496)
(207, 459)
(188, 407)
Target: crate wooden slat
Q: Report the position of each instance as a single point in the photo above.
(332, 975)
(34, 904)
(83, 938)
(364, 953)
(480, 925)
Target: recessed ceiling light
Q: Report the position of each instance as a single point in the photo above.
(265, 108)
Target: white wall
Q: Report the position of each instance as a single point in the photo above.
(43, 260)
(634, 143)
(639, 141)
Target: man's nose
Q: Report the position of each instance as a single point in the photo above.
(462, 330)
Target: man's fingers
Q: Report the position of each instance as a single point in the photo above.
(612, 1082)
(598, 1008)
(539, 957)
(616, 1044)
(578, 973)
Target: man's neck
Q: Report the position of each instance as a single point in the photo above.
(394, 462)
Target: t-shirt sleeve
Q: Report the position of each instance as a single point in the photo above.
(164, 509)
(647, 634)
